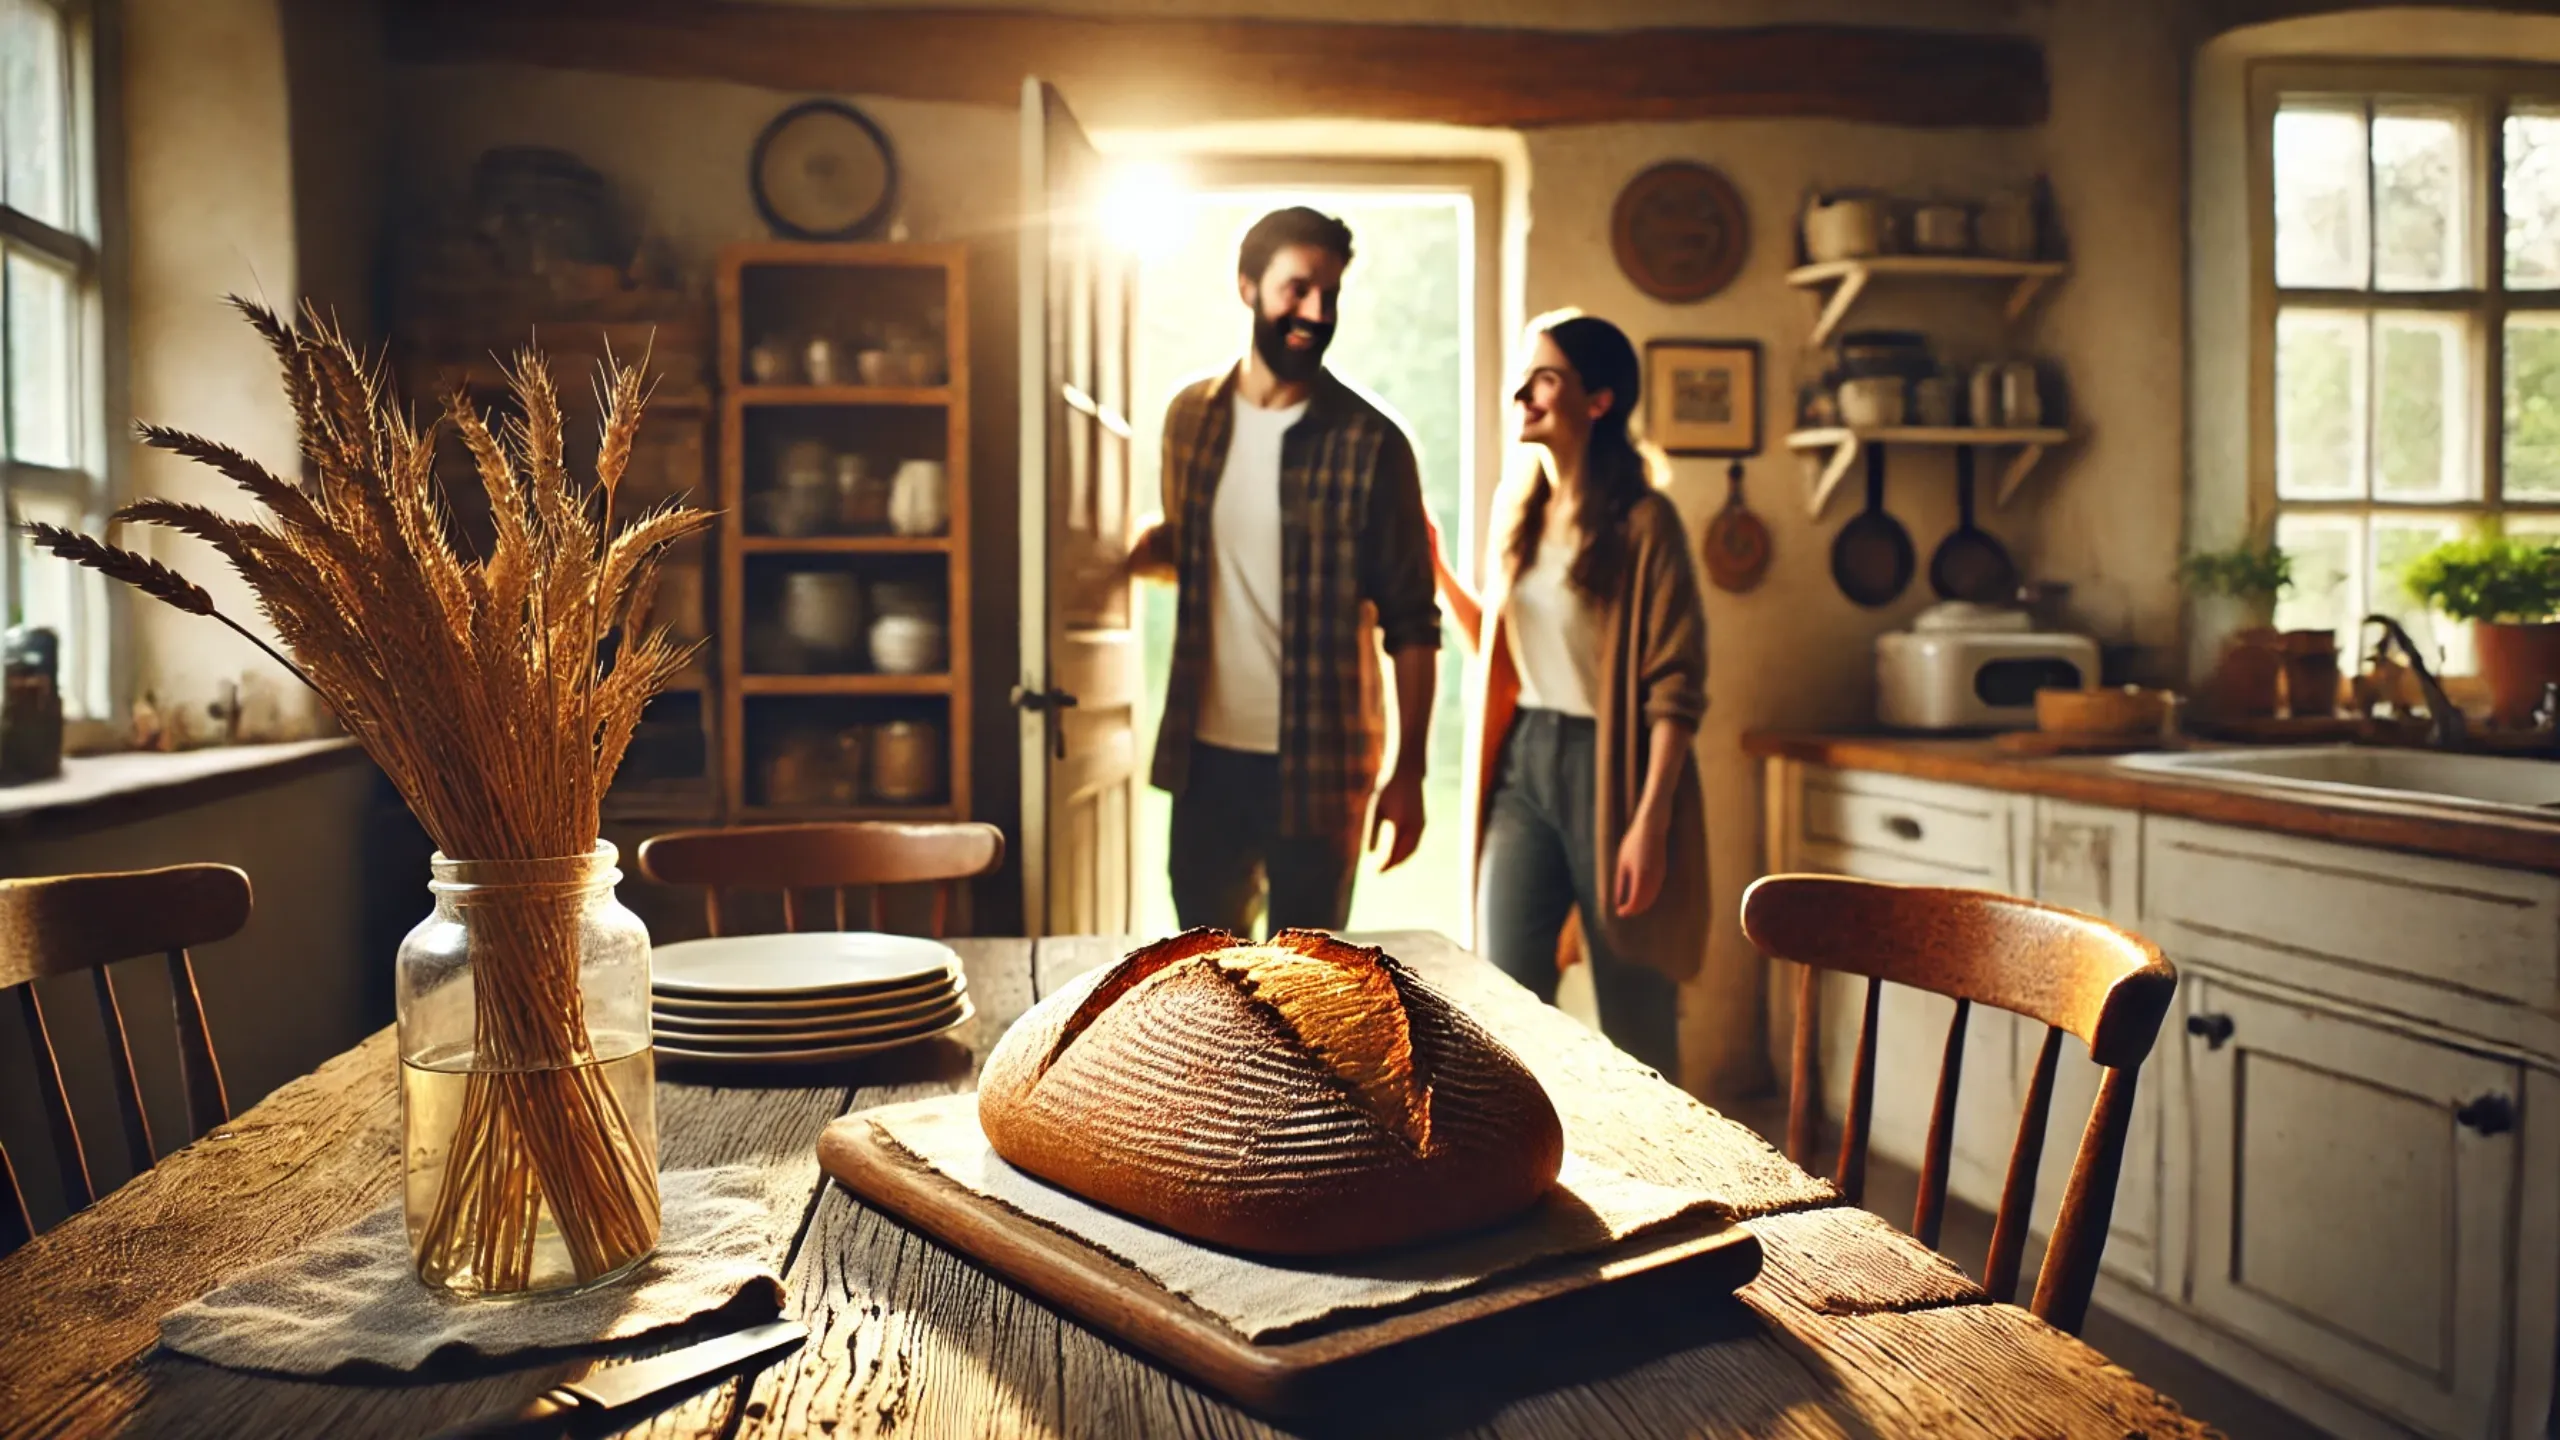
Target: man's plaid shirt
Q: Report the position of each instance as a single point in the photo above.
(1355, 563)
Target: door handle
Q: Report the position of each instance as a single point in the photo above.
(1049, 701)
(2216, 1029)
(2491, 1114)
(1903, 826)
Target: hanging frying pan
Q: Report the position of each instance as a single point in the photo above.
(1970, 563)
(1737, 541)
(1871, 557)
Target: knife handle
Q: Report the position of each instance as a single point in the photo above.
(543, 1417)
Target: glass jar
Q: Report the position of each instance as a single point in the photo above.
(529, 1138)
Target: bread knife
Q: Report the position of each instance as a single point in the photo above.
(583, 1402)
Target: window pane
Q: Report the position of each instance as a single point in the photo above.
(2421, 398)
(2321, 225)
(2327, 567)
(2397, 540)
(2533, 199)
(2532, 443)
(2420, 200)
(36, 301)
(33, 158)
(2320, 400)
(60, 596)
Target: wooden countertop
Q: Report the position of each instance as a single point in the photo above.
(2414, 824)
(127, 786)
(1852, 1327)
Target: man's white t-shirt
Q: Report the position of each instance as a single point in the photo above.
(1240, 703)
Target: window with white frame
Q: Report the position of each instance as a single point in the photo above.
(2414, 332)
(52, 417)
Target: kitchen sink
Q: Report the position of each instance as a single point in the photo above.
(2484, 782)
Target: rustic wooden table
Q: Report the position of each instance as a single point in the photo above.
(1852, 1329)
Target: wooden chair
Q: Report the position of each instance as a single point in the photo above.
(70, 923)
(867, 855)
(2078, 975)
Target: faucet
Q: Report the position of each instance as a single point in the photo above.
(2445, 727)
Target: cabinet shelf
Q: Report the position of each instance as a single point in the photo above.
(784, 814)
(836, 288)
(842, 394)
(1851, 278)
(1846, 443)
(844, 544)
(844, 684)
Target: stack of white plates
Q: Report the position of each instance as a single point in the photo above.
(756, 999)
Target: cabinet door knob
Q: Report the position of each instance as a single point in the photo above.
(2216, 1029)
(2490, 1114)
(1903, 826)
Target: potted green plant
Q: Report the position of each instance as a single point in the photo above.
(2243, 583)
(2508, 587)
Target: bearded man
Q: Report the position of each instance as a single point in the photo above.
(1293, 526)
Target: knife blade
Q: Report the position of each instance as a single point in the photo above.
(590, 1398)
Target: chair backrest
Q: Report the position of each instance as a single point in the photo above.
(70, 923)
(2079, 976)
(863, 855)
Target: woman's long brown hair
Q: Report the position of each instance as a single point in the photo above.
(1615, 472)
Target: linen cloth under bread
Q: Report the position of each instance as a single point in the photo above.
(353, 1297)
(1591, 1208)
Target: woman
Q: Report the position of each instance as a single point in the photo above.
(1596, 662)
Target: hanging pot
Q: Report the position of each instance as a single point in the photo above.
(1872, 558)
(1971, 564)
(1737, 541)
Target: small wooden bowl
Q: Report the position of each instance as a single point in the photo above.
(2131, 710)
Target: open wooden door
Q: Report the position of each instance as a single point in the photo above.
(1080, 663)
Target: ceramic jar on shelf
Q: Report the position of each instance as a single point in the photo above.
(920, 498)
(909, 632)
(822, 613)
(861, 496)
(905, 762)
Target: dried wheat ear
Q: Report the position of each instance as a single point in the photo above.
(1339, 1001)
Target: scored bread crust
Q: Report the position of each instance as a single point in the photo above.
(1301, 1097)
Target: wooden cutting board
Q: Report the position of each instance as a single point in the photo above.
(1308, 1374)
(2071, 742)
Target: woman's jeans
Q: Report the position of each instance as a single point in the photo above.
(1537, 864)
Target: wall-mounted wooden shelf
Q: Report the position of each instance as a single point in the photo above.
(1845, 445)
(1851, 278)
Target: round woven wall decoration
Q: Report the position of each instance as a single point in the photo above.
(1679, 231)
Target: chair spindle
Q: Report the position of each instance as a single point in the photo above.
(1851, 1176)
(1932, 1205)
(2026, 1160)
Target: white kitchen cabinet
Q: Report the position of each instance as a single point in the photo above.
(2349, 1199)
(1887, 827)
(2355, 1193)
(2089, 859)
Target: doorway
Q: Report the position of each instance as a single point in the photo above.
(1414, 333)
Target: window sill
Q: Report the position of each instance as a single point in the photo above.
(135, 785)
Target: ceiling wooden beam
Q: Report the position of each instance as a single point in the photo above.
(1161, 71)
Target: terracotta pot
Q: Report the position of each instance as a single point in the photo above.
(2310, 673)
(2516, 661)
(2244, 683)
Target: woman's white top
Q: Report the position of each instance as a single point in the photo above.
(1554, 631)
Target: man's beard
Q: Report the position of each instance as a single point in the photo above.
(1271, 342)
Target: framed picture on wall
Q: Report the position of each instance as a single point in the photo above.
(1702, 397)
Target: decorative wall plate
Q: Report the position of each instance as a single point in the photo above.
(823, 171)
(1679, 231)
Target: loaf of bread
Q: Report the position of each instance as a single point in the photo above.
(1302, 1097)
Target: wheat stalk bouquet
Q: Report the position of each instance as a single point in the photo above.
(484, 689)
